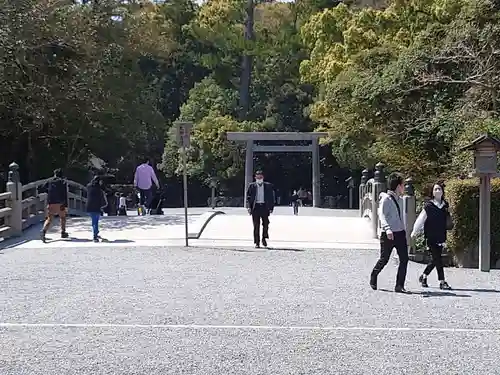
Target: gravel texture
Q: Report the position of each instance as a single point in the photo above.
(174, 286)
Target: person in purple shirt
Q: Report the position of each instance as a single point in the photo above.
(143, 181)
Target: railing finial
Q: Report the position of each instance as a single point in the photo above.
(409, 188)
(13, 172)
(379, 175)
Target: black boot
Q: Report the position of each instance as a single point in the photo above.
(400, 289)
(423, 281)
(64, 234)
(373, 281)
(444, 285)
(42, 236)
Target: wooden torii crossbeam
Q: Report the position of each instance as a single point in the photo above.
(251, 137)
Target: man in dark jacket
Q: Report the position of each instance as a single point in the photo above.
(57, 200)
(260, 203)
(96, 201)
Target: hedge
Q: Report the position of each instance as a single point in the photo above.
(463, 240)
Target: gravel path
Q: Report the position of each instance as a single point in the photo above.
(130, 311)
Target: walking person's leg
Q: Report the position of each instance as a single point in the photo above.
(401, 246)
(149, 198)
(47, 222)
(427, 271)
(265, 225)
(437, 258)
(256, 226)
(386, 246)
(94, 217)
(62, 217)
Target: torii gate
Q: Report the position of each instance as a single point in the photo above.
(251, 137)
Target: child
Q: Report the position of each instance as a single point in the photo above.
(433, 219)
(96, 201)
(122, 205)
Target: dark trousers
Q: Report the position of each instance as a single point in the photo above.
(386, 246)
(146, 196)
(437, 261)
(95, 216)
(260, 212)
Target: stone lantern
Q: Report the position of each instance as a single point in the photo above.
(485, 150)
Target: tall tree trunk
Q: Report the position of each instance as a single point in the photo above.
(246, 66)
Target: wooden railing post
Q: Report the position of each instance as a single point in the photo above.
(15, 188)
(80, 200)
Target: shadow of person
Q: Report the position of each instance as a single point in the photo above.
(479, 290)
(429, 293)
(115, 241)
(284, 249)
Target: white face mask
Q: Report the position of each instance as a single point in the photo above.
(259, 180)
(438, 194)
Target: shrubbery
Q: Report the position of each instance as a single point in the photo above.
(463, 196)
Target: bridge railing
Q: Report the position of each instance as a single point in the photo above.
(365, 203)
(22, 206)
(369, 193)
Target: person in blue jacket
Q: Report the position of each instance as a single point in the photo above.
(96, 201)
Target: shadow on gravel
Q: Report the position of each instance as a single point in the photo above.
(441, 294)
(284, 249)
(478, 290)
(74, 239)
(427, 294)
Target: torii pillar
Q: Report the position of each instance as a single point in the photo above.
(251, 137)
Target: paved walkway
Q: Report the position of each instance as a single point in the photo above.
(313, 228)
(204, 311)
(140, 304)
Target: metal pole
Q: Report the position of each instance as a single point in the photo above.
(213, 198)
(316, 190)
(184, 178)
(484, 223)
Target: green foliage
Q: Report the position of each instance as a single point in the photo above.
(408, 82)
(463, 196)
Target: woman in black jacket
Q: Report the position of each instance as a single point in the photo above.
(96, 201)
(433, 219)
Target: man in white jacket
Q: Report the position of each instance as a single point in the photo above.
(393, 233)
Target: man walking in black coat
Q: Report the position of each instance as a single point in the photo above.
(260, 203)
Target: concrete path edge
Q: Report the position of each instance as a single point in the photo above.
(202, 223)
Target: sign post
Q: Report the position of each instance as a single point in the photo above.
(183, 139)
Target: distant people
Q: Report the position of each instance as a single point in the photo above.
(295, 202)
(302, 196)
(260, 203)
(57, 200)
(96, 201)
(143, 181)
(122, 205)
(309, 197)
(434, 221)
(393, 233)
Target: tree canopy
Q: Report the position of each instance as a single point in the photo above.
(398, 82)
